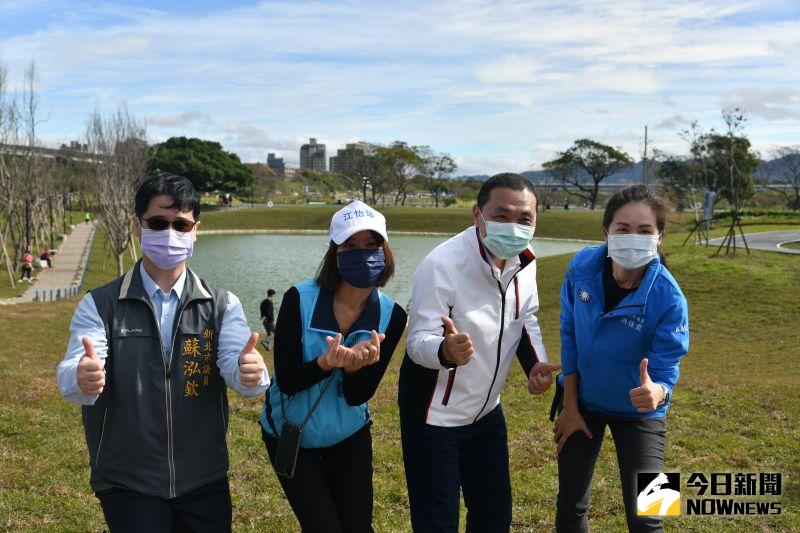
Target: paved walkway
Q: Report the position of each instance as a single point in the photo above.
(67, 266)
(769, 240)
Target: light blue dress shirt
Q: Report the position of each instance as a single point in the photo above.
(165, 306)
(86, 322)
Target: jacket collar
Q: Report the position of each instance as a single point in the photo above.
(324, 319)
(133, 288)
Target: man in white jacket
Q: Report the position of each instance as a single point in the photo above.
(473, 304)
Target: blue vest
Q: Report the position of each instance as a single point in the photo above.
(334, 419)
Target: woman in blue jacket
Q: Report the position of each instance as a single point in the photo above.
(624, 329)
(334, 337)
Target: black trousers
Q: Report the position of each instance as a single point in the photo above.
(331, 491)
(207, 508)
(441, 462)
(640, 447)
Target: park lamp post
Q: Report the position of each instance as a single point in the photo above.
(365, 180)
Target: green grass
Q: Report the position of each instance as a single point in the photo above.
(792, 245)
(734, 409)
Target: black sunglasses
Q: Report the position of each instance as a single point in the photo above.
(159, 224)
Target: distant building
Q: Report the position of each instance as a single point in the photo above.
(290, 172)
(276, 164)
(76, 146)
(333, 163)
(350, 159)
(312, 155)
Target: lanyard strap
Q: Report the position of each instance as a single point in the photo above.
(313, 407)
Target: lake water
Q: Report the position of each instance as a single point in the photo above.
(248, 265)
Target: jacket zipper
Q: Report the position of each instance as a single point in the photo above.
(168, 395)
(499, 346)
(449, 387)
(102, 432)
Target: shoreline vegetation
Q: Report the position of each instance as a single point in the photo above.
(732, 410)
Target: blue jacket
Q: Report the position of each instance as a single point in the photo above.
(606, 349)
(335, 419)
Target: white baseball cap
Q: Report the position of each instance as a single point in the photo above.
(356, 217)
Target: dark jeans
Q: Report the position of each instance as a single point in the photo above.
(640, 447)
(331, 490)
(441, 460)
(27, 272)
(205, 509)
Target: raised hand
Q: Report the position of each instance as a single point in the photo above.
(338, 356)
(91, 373)
(457, 346)
(251, 364)
(646, 397)
(370, 349)
(541, 377)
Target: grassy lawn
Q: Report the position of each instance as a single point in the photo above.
(734, 410)
(792, 245)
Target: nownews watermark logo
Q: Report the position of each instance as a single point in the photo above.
(659, 494)
(719, 494)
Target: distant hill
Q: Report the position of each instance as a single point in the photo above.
(769, 169)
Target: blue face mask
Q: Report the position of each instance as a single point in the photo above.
(507, 239)
(361, 267)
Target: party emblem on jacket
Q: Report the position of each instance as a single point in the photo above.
(584, 295)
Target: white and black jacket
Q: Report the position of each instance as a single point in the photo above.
(457, 279)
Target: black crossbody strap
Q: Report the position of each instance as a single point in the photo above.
(313, 407)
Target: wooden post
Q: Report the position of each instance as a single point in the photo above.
(9, 268)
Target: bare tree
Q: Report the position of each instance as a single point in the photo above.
(29, 180)
(787, 161)
(120, 159)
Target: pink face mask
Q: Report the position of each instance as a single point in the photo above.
(167, 248)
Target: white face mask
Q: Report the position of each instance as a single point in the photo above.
(507, 239)
(632, 251)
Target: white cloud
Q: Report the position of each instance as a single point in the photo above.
(179, 120)
(498, 84)
(777, 103)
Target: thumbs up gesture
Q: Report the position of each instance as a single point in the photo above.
(646, 397)
(541, 377)
(91, 374)
(251, 364)
(457, 346)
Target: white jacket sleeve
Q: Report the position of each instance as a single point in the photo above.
(432, 297)
(534, 332)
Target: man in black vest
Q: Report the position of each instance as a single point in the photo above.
(149, 358)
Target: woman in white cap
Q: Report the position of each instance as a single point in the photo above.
(334, 337)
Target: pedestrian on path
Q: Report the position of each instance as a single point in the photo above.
(27, 267)
(87, 217)
(47, 256)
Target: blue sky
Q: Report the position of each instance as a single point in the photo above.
(500, 85)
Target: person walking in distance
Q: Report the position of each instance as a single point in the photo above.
(268, 319)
